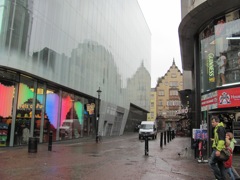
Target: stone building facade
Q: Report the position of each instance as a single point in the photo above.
(167, 98)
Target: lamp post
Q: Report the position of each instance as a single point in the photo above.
(99, 92)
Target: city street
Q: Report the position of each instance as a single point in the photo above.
(114, 158)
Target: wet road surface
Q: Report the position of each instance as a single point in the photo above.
(112, 159)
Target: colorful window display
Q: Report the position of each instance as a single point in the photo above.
(24, 120)
(52, 109)
(71, 117)
(40, 110)
(7, 92)
(6, 99)
(6, 96)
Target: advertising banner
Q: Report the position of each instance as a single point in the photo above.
(229, 97)
(209, 101)
(199, 134)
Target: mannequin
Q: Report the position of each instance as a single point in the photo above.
(221, 62)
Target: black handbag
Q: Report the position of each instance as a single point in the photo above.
(224, 154)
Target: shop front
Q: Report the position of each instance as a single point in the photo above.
(219, 61)
(223, 103)
(32, 108)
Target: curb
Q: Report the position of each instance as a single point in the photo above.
(235, 173)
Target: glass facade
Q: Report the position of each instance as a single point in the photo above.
(79, 44)
(57, 53)
(219, 50)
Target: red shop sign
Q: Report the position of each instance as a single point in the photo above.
(229, 98)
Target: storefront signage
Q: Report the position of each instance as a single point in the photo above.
(182, 111)
(211, 67)
(209, 101)
(229, 97)
(27, 106)
(90, 108)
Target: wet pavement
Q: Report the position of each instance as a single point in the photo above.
(114, 158)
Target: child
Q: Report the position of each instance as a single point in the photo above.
(229, 142)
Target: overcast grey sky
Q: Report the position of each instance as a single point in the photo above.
(163, 18)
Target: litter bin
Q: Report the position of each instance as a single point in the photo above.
(32, 144)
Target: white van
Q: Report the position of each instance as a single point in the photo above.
(70, 128)
(148, 128)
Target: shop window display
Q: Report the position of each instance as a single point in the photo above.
(220, 52)
(89, 118)
(79, 115)
(4, 132)
(6, 99)
(23, 114)
(41, 129)
(52, 108)
(24, 121)
(72, 117)
(37, 117)
(65, 130)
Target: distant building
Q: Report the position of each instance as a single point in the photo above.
(167, 97)
(153, 104)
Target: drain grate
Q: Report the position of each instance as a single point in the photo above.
(95, 155)
(128, 164)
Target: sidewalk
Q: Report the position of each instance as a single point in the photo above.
(115, 158)
(236, 164)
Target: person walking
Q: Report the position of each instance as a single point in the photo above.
(230, 143)
(218, 144)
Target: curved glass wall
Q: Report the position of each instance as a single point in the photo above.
(80, 44)
(220, 52)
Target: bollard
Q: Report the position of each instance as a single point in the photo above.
(173, 134)
(32, 144)
(50, 141)
(168, 136)
(146, 145)
(161, 139)
(97, 139)
(165, 137)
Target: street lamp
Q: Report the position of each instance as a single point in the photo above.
(99, 92)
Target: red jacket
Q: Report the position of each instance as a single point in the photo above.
(228, 163)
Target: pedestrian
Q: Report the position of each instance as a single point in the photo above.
(218, 144)
(230, 143)
(25, 134)
(19, 133)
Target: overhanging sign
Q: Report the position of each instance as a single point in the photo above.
(209, 101)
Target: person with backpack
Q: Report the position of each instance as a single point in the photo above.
(218, 144)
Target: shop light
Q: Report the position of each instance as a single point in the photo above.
(213, 42)
(233, 38)
(230, 84)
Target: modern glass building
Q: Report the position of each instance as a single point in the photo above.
(55, 55)
(210, 47)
